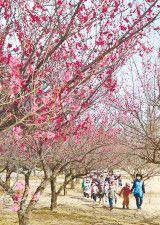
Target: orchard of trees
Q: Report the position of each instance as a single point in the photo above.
(79, 91)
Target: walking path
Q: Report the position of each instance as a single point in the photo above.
(74, 209)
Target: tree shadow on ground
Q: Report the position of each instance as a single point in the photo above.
(83, 199)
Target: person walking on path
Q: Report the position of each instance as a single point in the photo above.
(110, 178)
(111, 196)
(139, 190)
(94, 192)
(83, 185)
(87, 188)
(106, 187)
(126, 191)
(101, 193)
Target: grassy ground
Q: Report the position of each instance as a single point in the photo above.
(73, 209)
(65, 215)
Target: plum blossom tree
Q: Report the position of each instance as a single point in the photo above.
(58, 60)
(24, 154)
(88, 151)
(94, 150)
(133, 165)
(138, 113)
(56, 55)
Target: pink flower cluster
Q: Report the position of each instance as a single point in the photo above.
(17, 132)
(45, 134)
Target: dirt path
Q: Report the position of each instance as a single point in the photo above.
(74, 209)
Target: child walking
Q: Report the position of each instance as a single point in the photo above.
(111, 195)
(126, 192)
(87, 188)
(106, 187)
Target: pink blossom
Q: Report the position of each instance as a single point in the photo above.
(15, 207)
(1, 3)
(35, 107)
(116, 6)
(19, 186)
(37, 134)
(17, 132)
(14, 62)
(50, 135)
(123, 28)
(104, 9)
(17, 197)
(59, 2)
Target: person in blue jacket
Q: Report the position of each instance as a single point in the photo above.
(138, 189)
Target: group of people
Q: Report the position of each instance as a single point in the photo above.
(107, 189)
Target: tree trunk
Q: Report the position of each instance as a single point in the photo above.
(78, 180)
(24, 218)
(65, 190)
(53, 193)
(72, 184)
(72, 180)
(65, 186)
(8, 177)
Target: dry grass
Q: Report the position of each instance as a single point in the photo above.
(83, 214)
(73, 209)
